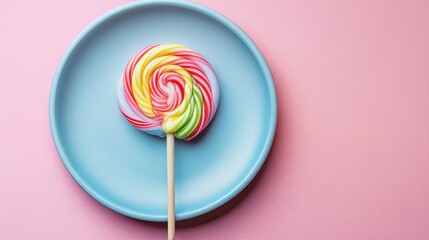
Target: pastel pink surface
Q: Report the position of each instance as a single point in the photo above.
(351, 155)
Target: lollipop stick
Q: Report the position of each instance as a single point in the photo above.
(170, 186)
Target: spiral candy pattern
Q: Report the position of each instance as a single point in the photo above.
(168, 88)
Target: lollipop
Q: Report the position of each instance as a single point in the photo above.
(169, 90)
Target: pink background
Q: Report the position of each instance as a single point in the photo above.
(351, 155)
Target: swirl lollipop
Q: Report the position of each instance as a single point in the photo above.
(169, 90)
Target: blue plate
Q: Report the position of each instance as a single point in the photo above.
(125, 169)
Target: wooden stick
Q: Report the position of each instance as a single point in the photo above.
(170, 186)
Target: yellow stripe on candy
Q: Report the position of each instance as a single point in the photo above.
(156, 57)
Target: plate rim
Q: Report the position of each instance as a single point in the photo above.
(208, 13)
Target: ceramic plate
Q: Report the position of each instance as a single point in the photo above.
(125, 169)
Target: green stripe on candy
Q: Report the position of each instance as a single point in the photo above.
(192, 124)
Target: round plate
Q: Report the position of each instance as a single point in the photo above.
(124, 168)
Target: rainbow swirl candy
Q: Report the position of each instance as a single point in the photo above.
(168, 88)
